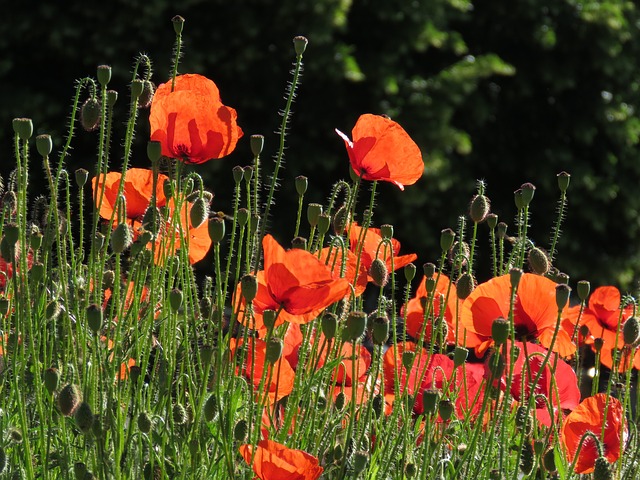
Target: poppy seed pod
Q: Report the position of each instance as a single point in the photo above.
(299, 242)
(112, 98)
(314, 210)
(175, 299)
(300, 44)
(81, 177)
(360, 461)
(269, 318)
(429, 270)
(445, 409)
(23, 127)
(355, 325)
(465, 286)
(144, 422)
(409, 272)
(631, 331)
(90, 114)
(51, 378)
(380, 329)
(68, 399)
(137, 87)
(324, 222)
(598, 343)
(94, 317)
(407, 359)
(515, 274)
(379, 272)
(386, 231)
(460, 355)
(302, 183)
(563, 181)
(538, 261)
(528, 189)
(256, 142)
(104, 75)
(44, 145)
(492, 220)
(584, 287)
(238, 174)
(430, 401)
(502, 230)
(243, 216)
(479, 208)
(154, 150)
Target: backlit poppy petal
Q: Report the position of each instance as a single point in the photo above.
(274, 461)
(381, 150)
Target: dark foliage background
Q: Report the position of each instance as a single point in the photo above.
(507, 92)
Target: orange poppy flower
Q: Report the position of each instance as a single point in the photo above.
(332, 257)
(535, 312)
(190, 122)
(138, 192)
(605, 320)
(280, 372)
(371, 241)
(343, 373)
(589, 416)
(274, 461)
(295, 283)
(382, 150)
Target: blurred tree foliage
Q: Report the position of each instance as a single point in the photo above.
(507, 92)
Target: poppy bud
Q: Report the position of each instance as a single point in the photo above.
(240, 430)
(515, 274)
(274, 350)
(175, 299)
(137, 86)
(269, 318)
(360, 461)
(502, 230)
(562, 295)
(492, 220)
(329, 324)
(23, 127)
(584, 287)
(379, 273)
(51, 378)
(145, 98)
(256, 142)
(446, 239)
(178, 24)
(90, 114)
(15, 435)
(301, 185)
(584, 330)
(104, 75)
(94, 318)
(112, 98)
(445, 409)
(522, 418)
(409, 272)
(500, 331)
(460, 355)
(538, 447)
(465, 286)
(300, 44)
(631, 331)
(211, 408)
(52, 310)
(526, 457)
(355, 325)
(299, 243)
(145, 423)
(386, 231)
(249, 287)
(602, 469)
(549, 460)
(314, 210)
(324, 222)
(377, 404)
(410, 470)
(80, 470)
(199, 212)
(380, 329)
(479, 208)
(430, 400)
(216, 229)
(563, 181)
(84, 417)
(121, 238)
(407, 359)
(538, 261)
(44, 145)
(167, 188)
(340, 220)
(179, 414)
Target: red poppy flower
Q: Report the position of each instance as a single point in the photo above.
(558, 382)
(373, 239)
(343, 373)
(382, 150)
(589, 416)
(274, 461)
(138, 192)
(605, 320)
(535, 312)
(6, 268)
(333, 258)
(295, 283)
(280, 372)
(190, 122)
